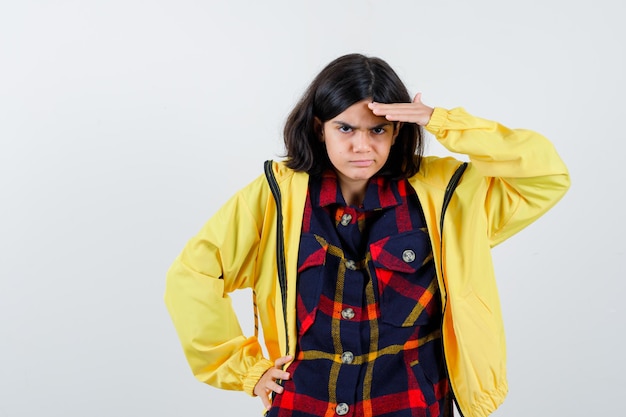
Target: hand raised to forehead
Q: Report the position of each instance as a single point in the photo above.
(415, 112)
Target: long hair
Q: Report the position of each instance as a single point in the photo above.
(342, 83)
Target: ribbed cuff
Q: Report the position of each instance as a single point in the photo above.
(437, 120)
(254, 374)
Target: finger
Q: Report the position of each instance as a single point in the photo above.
(404, 116)
(405, 113)
(386, 107)
(261, 392)
(281, 361)
(401, 109)
(277, 373)
(383, 109)
(273, 386)
(265, 399)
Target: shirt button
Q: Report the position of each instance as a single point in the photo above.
(347, 313)
(342, 409)
(408, 256)
(351, 265)
(345, 219)
(347, 357)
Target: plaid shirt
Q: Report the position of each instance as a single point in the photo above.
(368, 309)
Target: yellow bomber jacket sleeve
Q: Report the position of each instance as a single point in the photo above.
(217, 261)
(522, 167)
(514, 176)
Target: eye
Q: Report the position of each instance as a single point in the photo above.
(378, 130)
(345, 129)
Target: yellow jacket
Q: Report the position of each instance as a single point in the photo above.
(514, 176)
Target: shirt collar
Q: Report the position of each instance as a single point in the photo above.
(381, 192)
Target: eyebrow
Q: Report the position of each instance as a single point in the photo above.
(384, 124)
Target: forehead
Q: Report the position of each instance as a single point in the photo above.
(358, 114)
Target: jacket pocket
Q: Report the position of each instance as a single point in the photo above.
(405, 278)
(312, 259)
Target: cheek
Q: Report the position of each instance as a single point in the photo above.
(384, 147)
(333, 150)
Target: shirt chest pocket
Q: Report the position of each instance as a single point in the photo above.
(405, 279)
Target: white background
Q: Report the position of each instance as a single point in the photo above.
(125, 124)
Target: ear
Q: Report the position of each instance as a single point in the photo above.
(396, 131)
(318, 128)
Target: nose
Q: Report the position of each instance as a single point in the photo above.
(361, 142)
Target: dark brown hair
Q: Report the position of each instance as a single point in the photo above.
(342, 83)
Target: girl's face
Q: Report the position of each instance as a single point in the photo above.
(358, 145)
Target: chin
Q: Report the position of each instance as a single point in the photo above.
(362, 177)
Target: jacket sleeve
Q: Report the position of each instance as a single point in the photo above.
(523, 176)
(218, 260)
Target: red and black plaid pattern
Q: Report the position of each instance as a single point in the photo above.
(368, 309)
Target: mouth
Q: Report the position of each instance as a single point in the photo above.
(362, 163)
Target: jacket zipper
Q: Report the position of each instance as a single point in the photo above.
(454, 181)
(280, 244)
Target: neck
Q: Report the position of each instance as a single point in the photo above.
(353, 196)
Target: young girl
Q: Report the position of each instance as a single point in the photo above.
(370, 263)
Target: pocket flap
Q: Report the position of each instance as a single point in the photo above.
(405, 252)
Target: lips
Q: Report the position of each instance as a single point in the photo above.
(362, 163)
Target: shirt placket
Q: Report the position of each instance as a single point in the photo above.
(351, 294)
